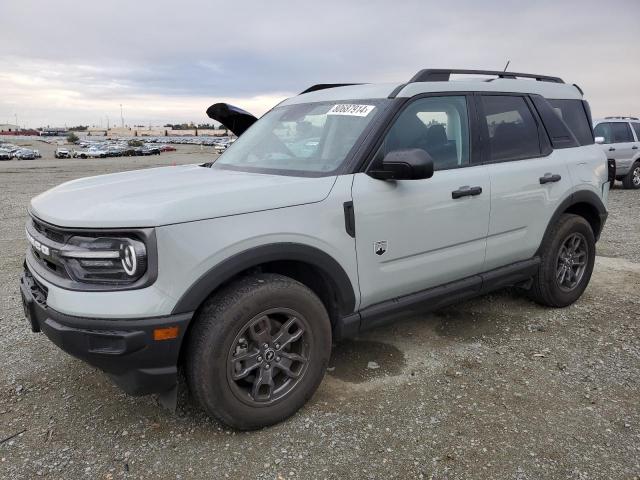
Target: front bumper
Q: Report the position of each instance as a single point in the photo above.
(124, 348)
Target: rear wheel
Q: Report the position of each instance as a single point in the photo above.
(258, 351)
(632, 179)
(568, 255)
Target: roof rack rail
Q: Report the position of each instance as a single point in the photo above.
(621, 118)
(443, 75)
(324, 86)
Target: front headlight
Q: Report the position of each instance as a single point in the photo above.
(105, 260)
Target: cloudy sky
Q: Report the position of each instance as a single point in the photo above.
(74, 62)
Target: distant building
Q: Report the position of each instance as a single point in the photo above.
(54, 132)
(6, 127)
(151, 131)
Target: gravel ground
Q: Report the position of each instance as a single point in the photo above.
(621, 235)
(496, 387)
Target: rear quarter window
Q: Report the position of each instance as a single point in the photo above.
(575, 116)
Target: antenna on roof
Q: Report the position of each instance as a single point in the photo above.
(506, 66)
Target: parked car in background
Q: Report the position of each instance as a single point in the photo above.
(90, 153)
(5, 154)
(62, 153)
(26, 154)
(220, 147)
(10, 147)
(129, 151)
(620, 140)
(150, 150)
(167, 148)
(114, 150)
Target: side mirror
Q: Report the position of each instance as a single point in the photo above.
(409, 164)
(599, 140)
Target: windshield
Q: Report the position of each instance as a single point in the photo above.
(304, 139)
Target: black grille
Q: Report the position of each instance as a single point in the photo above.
(48, 232)
(39, 291)
(53, 238)
(54, 267)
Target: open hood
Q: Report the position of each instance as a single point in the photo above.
(233, 118)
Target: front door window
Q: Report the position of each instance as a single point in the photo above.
(438, 125)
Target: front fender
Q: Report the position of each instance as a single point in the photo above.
(227, 269)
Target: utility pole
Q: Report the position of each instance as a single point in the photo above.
(121, 116)
(16, 115)
(107, 123)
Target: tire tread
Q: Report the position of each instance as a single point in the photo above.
(544, 290)
(211, 326)
(627, 180)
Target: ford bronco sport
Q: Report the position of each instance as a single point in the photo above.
(341, 209)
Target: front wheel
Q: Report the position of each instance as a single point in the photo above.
(568, 255)
(258, 351)
(632, 179)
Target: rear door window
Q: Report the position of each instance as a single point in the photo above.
(511, 127)
(621, 132)
(636, 127)
(574, 115)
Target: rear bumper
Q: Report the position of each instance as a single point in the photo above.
(124, 348)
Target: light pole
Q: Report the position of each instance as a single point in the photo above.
(121, 116)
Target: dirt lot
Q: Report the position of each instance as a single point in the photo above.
(496, 387)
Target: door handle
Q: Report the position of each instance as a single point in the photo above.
(635, 147)
(466, 191)
(611, 149)
(550, 178)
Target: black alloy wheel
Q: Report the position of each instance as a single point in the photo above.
(572, 261)
(269, 356)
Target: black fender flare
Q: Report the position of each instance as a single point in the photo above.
(227, 269)
(579, 197)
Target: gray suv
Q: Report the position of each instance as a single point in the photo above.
(620, 140)
(341, 209)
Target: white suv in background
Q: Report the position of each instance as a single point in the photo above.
(620, 139)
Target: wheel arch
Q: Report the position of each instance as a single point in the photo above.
(309, 265)
(585, 204)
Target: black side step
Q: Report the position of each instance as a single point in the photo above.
(437, 297)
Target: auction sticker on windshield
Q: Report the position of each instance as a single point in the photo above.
(351, 109)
